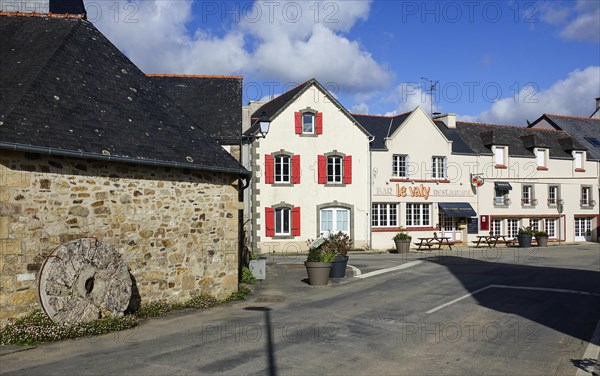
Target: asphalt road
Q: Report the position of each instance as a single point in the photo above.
(470, 312)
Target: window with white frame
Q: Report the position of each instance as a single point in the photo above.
(438, 167)
(282, 169)
(527, 197)
(552, 195)
(578, 155)
(308, 123)
(500, 155)
(586, 195)
(550, 227)
(400, 166)
(540, 157)
(334, 169)
(534, 223)
(501, 197)
(418, 215)
(512, 227)
(384, 215)
(334, 220)
(497, 227)
(282, 221)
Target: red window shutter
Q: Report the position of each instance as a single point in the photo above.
(298, 121)
(269, 169)
(270, 222)
(322, 169)
(348, 169)
(319, 128)
(296, 222)
(296, 169)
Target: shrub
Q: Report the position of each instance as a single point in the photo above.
(247, 276)
(526, 231)
(402, 235)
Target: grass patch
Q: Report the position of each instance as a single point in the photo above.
(36, 327)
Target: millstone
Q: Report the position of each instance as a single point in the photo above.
(84, 280)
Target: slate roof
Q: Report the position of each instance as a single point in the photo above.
(67, 90)
(578, 128)
(520, 140)
(380, 127)
(275, 106)
(214, 102)
(459, 146)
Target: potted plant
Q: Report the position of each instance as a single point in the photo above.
(541, 237)
(318, 263)
(339, 244)
(524, 237)
(402, 240)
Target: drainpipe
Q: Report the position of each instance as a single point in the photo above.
(370, 200)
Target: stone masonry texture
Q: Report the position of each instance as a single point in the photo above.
(175, 229)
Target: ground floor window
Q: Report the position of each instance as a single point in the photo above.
(497, 227)
(384, 215)
(512, 227)
(534, 223)
(583, 229)
(418, 215)
(334, 220)
(550, 227)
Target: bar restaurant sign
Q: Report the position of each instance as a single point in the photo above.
(421, 191)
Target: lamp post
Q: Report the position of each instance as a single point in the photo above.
(559, 208)
(264, 124)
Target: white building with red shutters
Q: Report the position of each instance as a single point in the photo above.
(310, 174)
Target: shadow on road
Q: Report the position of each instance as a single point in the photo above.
(568, 312)
(271, 365)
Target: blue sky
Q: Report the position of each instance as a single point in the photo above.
(496, 61)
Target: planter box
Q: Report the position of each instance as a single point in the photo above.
(259, 268)
(402, 246)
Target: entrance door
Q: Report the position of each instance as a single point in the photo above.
(583, 229)
(450, 230)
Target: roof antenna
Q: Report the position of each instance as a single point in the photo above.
(432, 85)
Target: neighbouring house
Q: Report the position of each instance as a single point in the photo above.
(91, 147)
(311, 172)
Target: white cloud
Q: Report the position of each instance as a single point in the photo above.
(360, 108)
(409, 95)
(580, 21)
(286, 41)
(572, 96)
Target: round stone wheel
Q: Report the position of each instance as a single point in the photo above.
(84, 280)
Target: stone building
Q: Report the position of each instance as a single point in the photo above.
(90, 147)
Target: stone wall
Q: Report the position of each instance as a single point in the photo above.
(176, 229)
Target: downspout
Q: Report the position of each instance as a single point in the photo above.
(370, 200)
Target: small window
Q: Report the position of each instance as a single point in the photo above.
(527, 198)
(541, 157)
(334, 169)
(400, 166)
(593, 140)
(585, 196)
(282, 169)
(552, 195)
(501, 197)
(438, 167)
(384, 215)
(578, 155)
(418, 215)
(499, 155)
(282, 221)
(308, 123)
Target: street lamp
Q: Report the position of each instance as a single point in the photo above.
(264, 123)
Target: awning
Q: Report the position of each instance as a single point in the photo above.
(457, 209)
(503, 186)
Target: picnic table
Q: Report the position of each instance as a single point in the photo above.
(435, 241)
(492, 240)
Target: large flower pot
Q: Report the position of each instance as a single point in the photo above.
(524, 241)
(338, 268)
(318, 272)
(542, 241)
(402, 246)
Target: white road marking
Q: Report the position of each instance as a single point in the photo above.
(356, 270)
(512, 288)
(591, 353)
(387, 270)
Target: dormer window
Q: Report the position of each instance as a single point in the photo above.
(541, 158)
(500, 153)
(308, 122)
(579, 158)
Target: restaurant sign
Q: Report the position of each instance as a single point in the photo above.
(421, 191)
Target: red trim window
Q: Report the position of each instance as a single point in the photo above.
(308, 123)
(282, 221)
(269, 169)
(322, 169)
(296, 172)
(334, 169)
(319, 126)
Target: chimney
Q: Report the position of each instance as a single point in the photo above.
(597, 103)
(448, 119)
